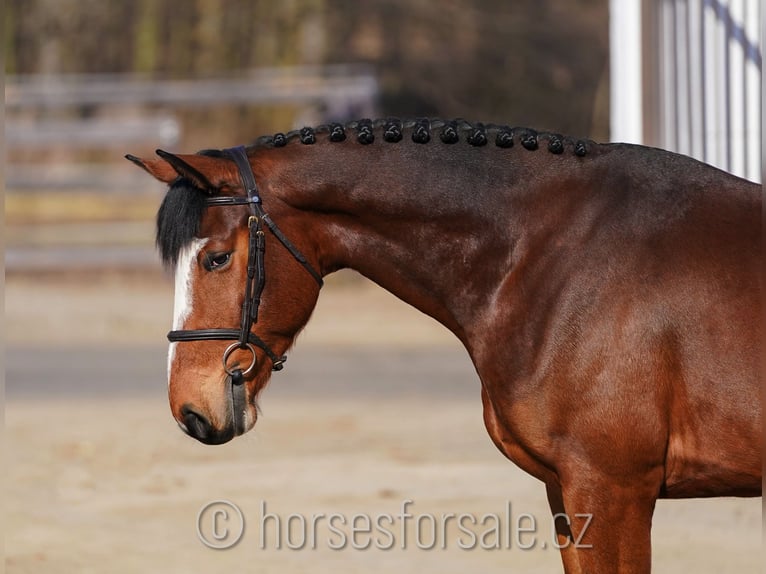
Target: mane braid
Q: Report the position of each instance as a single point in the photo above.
(426, 130)
(181, 211)
(178, 219)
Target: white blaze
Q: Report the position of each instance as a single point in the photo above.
(182, 302)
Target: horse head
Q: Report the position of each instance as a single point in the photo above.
(231, 326)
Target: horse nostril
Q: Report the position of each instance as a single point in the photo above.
(196, 425)
(199, 427)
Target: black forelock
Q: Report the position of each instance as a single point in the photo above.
(178, 219)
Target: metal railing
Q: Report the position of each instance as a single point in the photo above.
(710, 82)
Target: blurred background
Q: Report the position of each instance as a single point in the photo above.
(88, 81)
(97, 469)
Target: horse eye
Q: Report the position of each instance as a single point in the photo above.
(216, 260)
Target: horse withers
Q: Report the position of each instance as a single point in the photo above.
(608, 296)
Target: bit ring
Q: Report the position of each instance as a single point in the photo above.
(229, 350)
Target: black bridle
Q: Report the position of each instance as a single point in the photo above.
(256, 276)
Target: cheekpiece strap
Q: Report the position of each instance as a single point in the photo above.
(239, 155)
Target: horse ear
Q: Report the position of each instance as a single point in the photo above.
(205, 172)
(155, 167)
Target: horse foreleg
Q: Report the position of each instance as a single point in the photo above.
(610, 522)
(564, 538)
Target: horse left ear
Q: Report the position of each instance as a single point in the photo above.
(205, 172)
(155, 167)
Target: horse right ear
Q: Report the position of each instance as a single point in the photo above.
(205, 172)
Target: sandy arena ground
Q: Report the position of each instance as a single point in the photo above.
(377, 405)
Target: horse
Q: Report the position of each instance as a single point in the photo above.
(608, 296)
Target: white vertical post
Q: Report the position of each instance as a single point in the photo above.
(721, 132)
(696, 88)
(626, 113)
(669, 78)
(710, 85)
(736, 83)
(683, 95)
(753, 87)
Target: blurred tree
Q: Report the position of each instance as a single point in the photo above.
(147, 36)
(534, 62)
(527, 62)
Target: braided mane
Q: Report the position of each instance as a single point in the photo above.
(424, 130)
(179, 215)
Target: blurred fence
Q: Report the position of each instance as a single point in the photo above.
(686, 76)
(73, 204)
(708, 82)
(106, 111)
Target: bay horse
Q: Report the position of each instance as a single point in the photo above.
(607, 294)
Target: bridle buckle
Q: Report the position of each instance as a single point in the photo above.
(278, 365)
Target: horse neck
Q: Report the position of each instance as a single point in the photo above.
(438, 226)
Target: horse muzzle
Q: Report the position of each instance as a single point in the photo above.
(237, 421)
